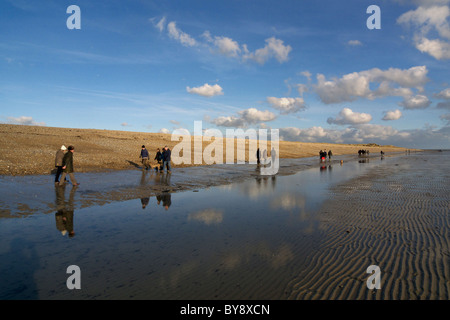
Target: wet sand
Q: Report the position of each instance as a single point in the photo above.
(288, 237)
(396, 217)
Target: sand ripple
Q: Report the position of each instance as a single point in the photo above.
(392, 217)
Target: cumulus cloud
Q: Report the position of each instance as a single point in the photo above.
(164, 130)
(427, 137)
(29, 121)
(244, 118)
(274, 48)
(287, 105)
(392, 115)
(415, 102)
(391, 82)
(363, 133)
(225, 45)
(206, 90)
(426, 18)
(444, 94)
(347, 116)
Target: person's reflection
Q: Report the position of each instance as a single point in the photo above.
(65, 210)
(166, 199)
(144, 202)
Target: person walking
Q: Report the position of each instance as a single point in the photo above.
(329, 155)
(68, 167)
(158, 158)
(166, 159)
(58, 162)
(145, 158)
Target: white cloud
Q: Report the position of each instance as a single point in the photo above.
(161, 24)
(392, 115)
(415, 102)
(444, 94)
(354, 43)
(227, 46)
(274, 48)
(206, 90)
(24, 121)
(287, 105)
(356, 85)
(164, 130)
(124, 124)
(436, 48)
(347, 116)
(244, 118)
(427, 18)
(362, 133)
(184, 38)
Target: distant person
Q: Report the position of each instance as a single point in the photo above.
(59, 162)
(144, 156)
(265, 156)
(158, 158)
(258, 156)
(166, 159)
(329, 155)
(68, 167)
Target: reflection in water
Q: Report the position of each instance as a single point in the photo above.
(65, 210)
(364, 160)
(325, 168)
(208, 216)
(166, 199)
(144, 202)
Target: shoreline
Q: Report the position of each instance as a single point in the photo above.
(33, 193)
(30, 150)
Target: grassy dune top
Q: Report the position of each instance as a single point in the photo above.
(26, 150)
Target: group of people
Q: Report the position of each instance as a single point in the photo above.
(163, 159)
(323, 155)
(363, 152)
(64, 166)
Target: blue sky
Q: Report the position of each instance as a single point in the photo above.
(312, 69)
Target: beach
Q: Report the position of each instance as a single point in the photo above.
(31, 150)
(226, 232)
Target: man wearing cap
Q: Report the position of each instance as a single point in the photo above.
(58, 162)
(68, 167)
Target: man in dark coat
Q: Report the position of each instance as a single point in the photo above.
(68, 167)
(166, 159)
(145, 157)
(58, 162)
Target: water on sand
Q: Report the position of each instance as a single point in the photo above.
(242, 240)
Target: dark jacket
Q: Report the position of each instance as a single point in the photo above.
(144, 153)
(59, 158)
(158, 156)
(68, 162)
(166, 155)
